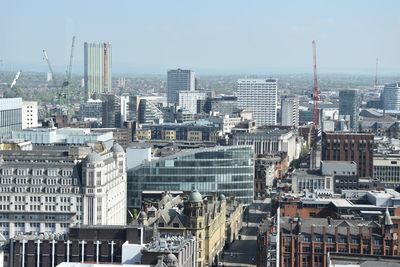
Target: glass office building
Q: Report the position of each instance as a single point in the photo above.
(227, 170)
(10, 116)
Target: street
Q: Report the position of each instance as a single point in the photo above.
(243, 252)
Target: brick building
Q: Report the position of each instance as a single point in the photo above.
(355, 147)
(307, 242)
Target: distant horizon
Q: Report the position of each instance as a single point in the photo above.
(205, 72)
(209, 37)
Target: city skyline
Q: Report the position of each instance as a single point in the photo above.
(207, 37)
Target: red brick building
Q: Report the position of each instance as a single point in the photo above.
(357, 147)
(306, 242)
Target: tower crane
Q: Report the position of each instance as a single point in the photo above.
(69, 69)
(15, 79)
(314, 129)
(45, 57)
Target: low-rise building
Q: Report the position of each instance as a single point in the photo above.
(294, 241)
(205, 218)
(387, 170)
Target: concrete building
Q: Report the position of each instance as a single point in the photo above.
(179, 80)
(82, 246)
(349, 104)
(260, 97)
(290, 111)
(49, 188)
(332, 168)
(63, 136)
(391, 96)
(97, 69)
(189, 131)
(270, 140)
(355, 147)
(311, 181)
(223, 105)
(387, 170)
(227, 170)
(188, 99)
(10, 116)
(29, 114)
(124, 108)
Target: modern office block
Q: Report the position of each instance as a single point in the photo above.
(10, 116)
(225, 170)
(349, 104)
(179, 80)
(391, 96)
(188, 100)
(111, 111)
(91, 110)
(290, 111)
(97, 68)
(260, 97)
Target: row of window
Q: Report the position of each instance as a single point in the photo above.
(36, 172)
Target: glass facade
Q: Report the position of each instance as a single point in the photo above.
(224, 170)
(10, 116)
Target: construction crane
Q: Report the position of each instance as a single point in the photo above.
(45, 57)
(15, 79)
(314, 129)
(69, 69)
(376, 74)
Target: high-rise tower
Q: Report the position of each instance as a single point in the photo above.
(349, 104)
(179, 80)
(391, 96)
(290, 111)
(97, 58)
(259, 96)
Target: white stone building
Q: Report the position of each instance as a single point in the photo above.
(49, 188)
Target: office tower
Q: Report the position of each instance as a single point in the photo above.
(190, 169)
(91, 110)
(124, 108)
(10, 116)
(48, 188)
(111, 111)
(391, 96)
(29, 114)
(188, 100)
(290, 111)
(350, 147)
(349, 104)
(179, 80)
(97, 77)
(259, 96)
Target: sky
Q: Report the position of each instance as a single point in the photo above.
(208, 36)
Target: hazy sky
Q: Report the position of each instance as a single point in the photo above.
(209, 36)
